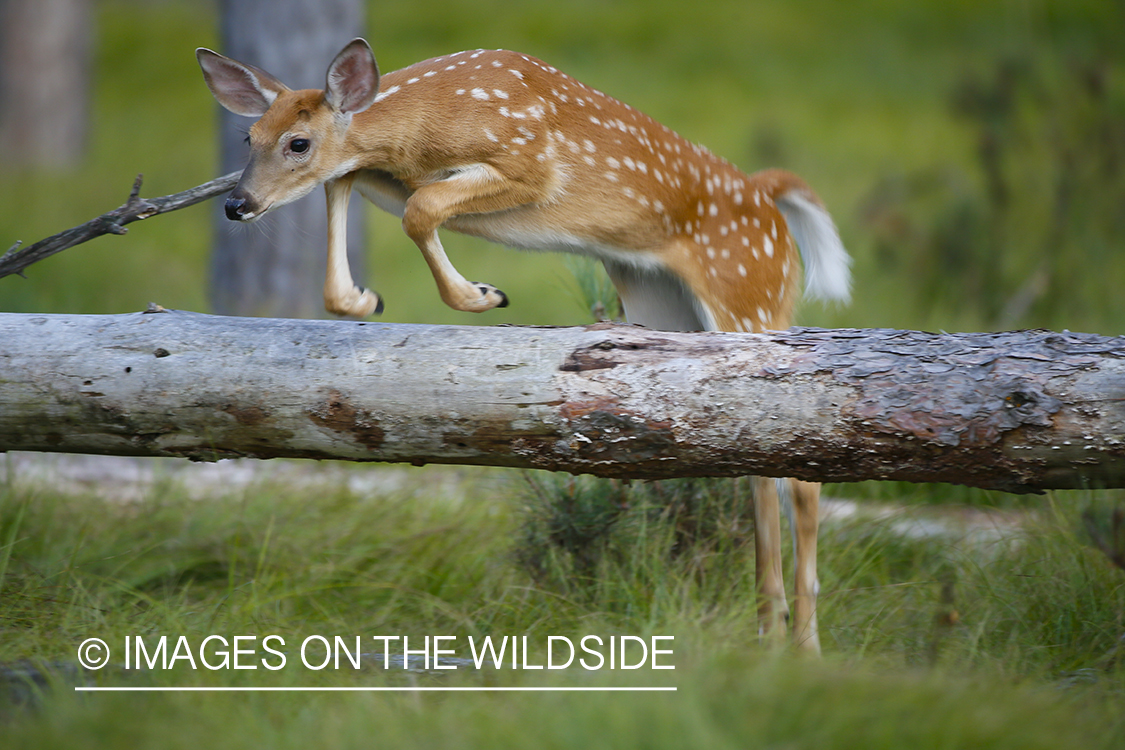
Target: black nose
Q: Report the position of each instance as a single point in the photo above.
(235, 208)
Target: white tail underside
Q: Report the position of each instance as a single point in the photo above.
(827, 263)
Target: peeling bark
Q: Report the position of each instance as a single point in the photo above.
(1023, 411)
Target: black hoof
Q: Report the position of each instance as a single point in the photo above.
(486, 288)
(379, 305)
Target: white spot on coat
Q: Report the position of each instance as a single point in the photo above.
(384, 94)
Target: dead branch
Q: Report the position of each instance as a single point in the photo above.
(15, 261)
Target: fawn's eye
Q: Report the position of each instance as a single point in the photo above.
(299, 145)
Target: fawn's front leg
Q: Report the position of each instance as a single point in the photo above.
(475, 189)
(341, 294)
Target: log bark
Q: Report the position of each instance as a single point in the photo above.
(1023, 411)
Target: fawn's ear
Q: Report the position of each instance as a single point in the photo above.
(353, 79)
(240, 88)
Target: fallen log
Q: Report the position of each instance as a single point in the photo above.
(1021, 411)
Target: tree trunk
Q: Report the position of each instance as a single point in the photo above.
(44, 80)
(276, 266)
(1023, 411)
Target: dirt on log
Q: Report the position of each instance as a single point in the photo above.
(1021, 411)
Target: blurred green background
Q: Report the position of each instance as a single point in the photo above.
(972, 153)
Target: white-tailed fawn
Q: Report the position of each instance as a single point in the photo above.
(502, 146)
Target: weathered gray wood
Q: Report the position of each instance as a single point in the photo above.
(1020, 411)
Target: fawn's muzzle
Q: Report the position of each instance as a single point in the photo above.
(236, 208)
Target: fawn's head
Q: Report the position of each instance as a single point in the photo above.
(298, 141)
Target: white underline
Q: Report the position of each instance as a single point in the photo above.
(134, 689)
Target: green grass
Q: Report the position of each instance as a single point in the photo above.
(726, 702)
(1034, 662)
